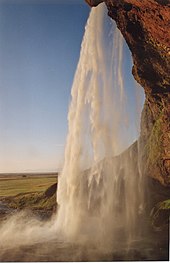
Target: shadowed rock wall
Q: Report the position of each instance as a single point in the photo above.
(145, 26)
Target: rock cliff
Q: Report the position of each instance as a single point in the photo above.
(145, 26)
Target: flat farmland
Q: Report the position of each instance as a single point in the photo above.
(11, 185)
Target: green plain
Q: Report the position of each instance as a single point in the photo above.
(15, 186)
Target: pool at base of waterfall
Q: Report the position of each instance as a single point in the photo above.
(58, 251)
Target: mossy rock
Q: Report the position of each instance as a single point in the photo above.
(34, 201)
(160, 215)
(153, 146)
(153, 152)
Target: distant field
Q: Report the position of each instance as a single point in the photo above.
(13, 185)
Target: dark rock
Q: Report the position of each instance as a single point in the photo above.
(160, 215)
(94, 2)
(51, 190)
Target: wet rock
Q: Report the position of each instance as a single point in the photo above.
(51, 190)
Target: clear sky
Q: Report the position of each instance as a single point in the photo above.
(39, 50)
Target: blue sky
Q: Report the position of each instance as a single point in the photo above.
(39, 50)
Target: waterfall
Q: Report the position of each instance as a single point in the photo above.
(98, 190)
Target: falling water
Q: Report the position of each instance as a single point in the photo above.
(98, 191)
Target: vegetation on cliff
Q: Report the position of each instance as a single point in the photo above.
(160, 215)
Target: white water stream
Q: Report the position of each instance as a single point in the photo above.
(96, 203)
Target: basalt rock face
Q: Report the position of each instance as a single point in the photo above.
(145, 26)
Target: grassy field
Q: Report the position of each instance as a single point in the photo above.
(11, 186)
